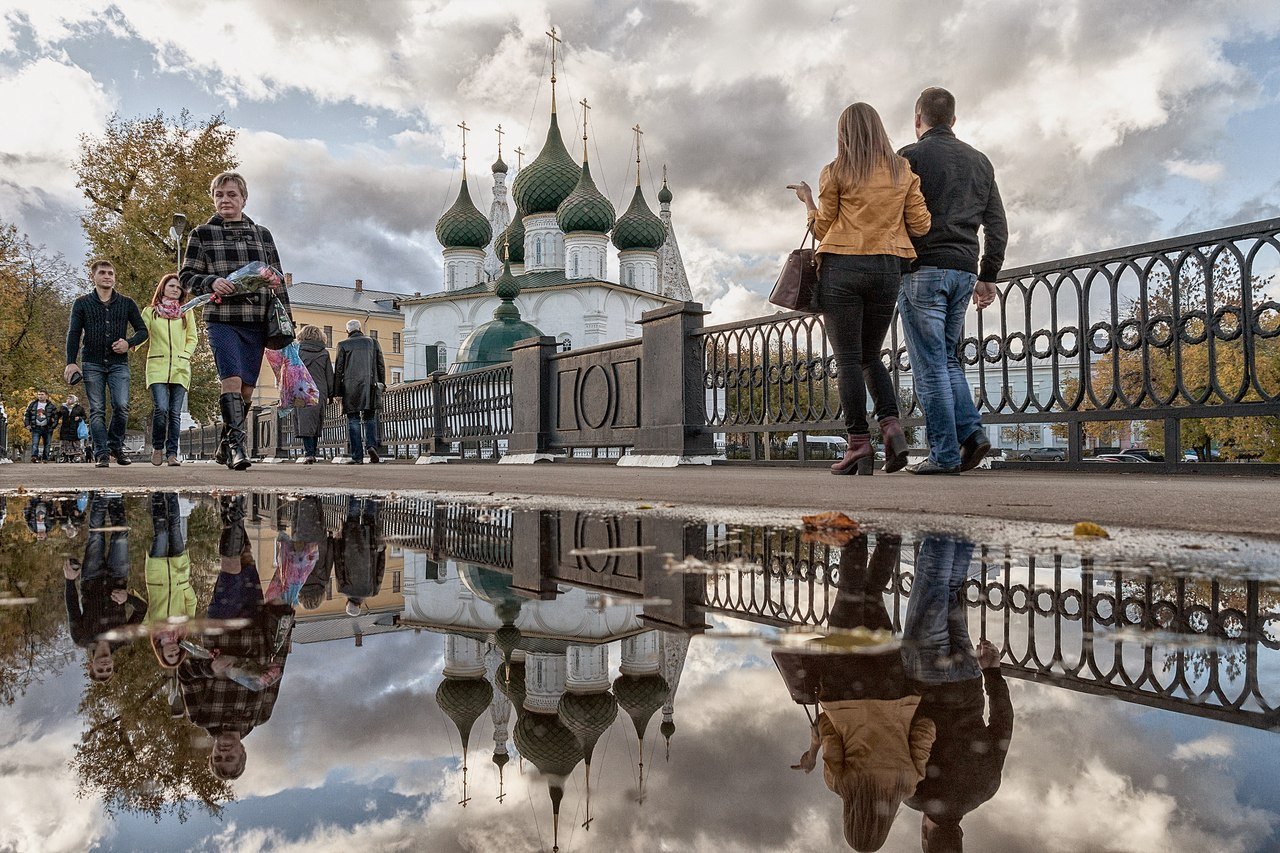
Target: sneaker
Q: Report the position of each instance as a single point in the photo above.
(157, 457)
(374, 457)
(308, 460)
(121, 458)
(928, 466)
(173, 461)
(103, 462)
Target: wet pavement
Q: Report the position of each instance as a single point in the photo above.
(267, 670)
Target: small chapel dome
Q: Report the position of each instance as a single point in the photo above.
(499, 167)
(588, 716)
(490, 344)
(639, 227)
(464, 700)
(549, 179)
(640, 696)
(585, 209)
(664, 194)
(463, 226)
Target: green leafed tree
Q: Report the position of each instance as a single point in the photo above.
(135, 176)
(36, 288)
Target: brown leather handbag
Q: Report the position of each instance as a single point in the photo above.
(797, 285)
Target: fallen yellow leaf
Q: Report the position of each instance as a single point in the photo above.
(1089, 529)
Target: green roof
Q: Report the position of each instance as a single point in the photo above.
(513, 237)
(585, 209)
(463, 700)
(463, 226)
(588, 716)
(499, 167)
(640, 696)
(664, 194)
(490, 344)
(639, 227)
(548, 180)
(548, 743)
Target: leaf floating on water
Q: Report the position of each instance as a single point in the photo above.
(830, 521)
(644, 506)
(1087, 529)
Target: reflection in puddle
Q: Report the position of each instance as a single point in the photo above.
(580, 645)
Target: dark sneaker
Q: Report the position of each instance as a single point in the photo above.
(103, 462)
(121, 458)
(928, 466)
(973, 449)
(374, 457)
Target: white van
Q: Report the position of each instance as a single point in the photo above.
(820, 446)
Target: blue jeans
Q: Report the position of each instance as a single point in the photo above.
(935, 635)
(310, 445)
(362, 439)
(166, 418)
(98, 380)
(933, 303)
(40, 435)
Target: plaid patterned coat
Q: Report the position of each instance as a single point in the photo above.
(218, 704)
(217, 249)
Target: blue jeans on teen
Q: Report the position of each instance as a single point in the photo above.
(99, 379)
(932, 304)
(166, 418)
(362, 433)
(935, 634)
(39, 436)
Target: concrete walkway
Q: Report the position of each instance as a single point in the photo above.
(1247, 506)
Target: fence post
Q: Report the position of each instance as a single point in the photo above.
(253, 431)
(1075, 442)
(531, 403)
(436, 445)
(673, 403)
(4, 433)
(280, 416)
(1172, 444)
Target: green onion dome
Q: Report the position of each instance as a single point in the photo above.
(549, 179)
(585, 209)
(640, 696)
(513, 238)
(548, 743)
(490, 344)
(462, 226)
(499, 167)
(588, 716)
(664, 194)
(463, 700)
(639, 227)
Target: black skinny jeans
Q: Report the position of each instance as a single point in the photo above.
(857, 294)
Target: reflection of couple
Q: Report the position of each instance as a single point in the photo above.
(904, 724)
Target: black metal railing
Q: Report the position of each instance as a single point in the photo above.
(1158, 333)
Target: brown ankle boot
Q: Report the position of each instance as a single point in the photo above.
(895, 445)
(858, 459)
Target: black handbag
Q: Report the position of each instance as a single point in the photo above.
(797, 285)
(280, 331)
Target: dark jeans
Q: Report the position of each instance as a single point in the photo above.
(106, 554)
(360, 438)
(310, 445)
(167, 539)
(166, 418)
(935, 635)
(98, 380)
(40, 435)
(857, 295)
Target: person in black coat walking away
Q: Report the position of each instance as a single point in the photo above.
(100, 321)
(310, 419)
(40, 418)
(68, 417)
(359, 378)
(360, 558)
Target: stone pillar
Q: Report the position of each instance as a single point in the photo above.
(673, 400)
(531, 403)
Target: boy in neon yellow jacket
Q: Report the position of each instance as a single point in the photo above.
(171, 344)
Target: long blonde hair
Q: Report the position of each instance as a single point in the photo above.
(862, 147)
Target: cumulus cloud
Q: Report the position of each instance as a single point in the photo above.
(39, 808)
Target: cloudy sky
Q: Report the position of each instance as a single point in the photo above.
(1108, 123)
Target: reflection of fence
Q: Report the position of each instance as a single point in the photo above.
(1192, 646)
(1159, 332)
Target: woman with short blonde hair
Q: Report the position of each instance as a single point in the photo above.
(310, 419)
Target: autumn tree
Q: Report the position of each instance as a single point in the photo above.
(135, 177)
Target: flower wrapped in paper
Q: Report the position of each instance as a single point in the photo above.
(297, 388)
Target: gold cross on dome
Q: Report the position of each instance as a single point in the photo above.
(639, 133)
(586, 108)
(465, 129)
(519, 159)
(498, 130)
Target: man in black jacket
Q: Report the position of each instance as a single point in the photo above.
(40, 417)
(959, 187)
(358, 379)
(102, 319)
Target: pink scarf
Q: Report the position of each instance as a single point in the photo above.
(169, 309)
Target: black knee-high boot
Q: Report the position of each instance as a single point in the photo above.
(233, 410)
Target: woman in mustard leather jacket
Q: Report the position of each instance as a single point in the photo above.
(869, 204)
(170, 346)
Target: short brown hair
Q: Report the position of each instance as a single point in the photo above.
(222, 177)
(311, 332)
(100, 262)
(936, 106)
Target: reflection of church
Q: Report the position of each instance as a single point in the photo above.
(550, 661)
(557, 246)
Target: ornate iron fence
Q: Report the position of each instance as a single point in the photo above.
(1161, 332)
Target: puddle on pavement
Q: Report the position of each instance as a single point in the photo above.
(258, 671)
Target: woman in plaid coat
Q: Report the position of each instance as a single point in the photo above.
(236, 322)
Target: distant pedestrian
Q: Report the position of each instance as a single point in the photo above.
(359, 378)
(959, 185)
(360, 557)
(39, 419)
(869, 204)
(100, 321)
(71, 418)
(237, 324)
(170, 346)
(310, 419)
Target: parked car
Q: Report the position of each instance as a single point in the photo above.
(1119, 457)
(1149, 455)
(1038, 454)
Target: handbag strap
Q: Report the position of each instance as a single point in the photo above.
(809, 236)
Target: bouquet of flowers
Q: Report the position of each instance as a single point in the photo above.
(249, 279)
(297, 388)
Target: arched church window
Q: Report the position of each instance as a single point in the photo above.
(575, 264)
(602, 267)
(442, 356)
(566, 342)
(451, 276)
(537, 251)
(631, 276)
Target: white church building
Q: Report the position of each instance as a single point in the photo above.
(557, 248)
